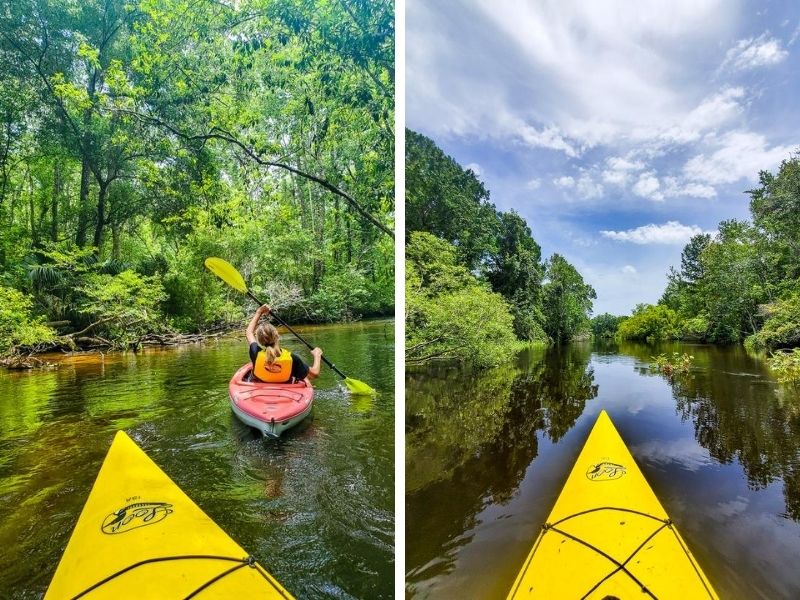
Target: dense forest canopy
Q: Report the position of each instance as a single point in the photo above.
(476, 285)
(741, 284)
(138, 137)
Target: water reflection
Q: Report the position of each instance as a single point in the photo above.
(316, 506)
(487, 453)
(460, 423)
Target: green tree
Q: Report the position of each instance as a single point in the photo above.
(515, 271)
(650, 323)
(605, 326)
(567, 300)
(449, 313)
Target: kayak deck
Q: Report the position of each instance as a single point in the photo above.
(608, 535)
(271, 408)
(139, 535)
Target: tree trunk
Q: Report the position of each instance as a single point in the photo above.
(83, 204)
(57, 192)
(115, 240)
(101, 216)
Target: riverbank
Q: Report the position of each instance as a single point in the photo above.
(36, 355)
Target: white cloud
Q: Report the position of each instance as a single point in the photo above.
(618, 171)
(629, 270)
(475, 168)
(751, 53)
(674, 187)
(712, 112)
(738, 155)
(563, 75)
(534, 184)
(671, 232)
(587, 188)
(649, 187)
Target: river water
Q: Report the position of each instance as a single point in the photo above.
(488, 452)
(316, 507)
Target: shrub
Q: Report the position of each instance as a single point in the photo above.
(17, 326)
(651, 323)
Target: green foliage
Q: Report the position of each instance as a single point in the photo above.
(456, 318)
(605, 326)
(18, 327)
(786, 366)
(448, 214)
(448, 202)
(741, 284)
(567, 300)
(677, 364)
(781, 327)
(124, 306)
(146, 135)
(650, 322)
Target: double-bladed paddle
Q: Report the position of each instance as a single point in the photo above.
(228, 273)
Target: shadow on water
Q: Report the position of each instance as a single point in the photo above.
(488, 452)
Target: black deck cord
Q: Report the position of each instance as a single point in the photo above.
(601, 553)
(244, 562)
(213, 580)
(627, 560)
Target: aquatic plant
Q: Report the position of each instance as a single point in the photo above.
(679, 364)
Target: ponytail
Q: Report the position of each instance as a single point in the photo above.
(268, 337)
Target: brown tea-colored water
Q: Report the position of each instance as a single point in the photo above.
(488, 452)
(316, 507)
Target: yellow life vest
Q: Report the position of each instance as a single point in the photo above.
(280, 371)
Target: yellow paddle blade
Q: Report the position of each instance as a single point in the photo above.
(359, 387)
(227, 272)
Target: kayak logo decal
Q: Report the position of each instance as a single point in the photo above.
(605, 471)
(135, 515)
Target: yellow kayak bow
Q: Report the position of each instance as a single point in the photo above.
(140, 536)
(608, 535)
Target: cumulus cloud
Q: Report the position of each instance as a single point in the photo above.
(738, 155)
(629, 270)
(584, 187)
(648, 187)
(751, 53)
(671, 232)
(534, 184)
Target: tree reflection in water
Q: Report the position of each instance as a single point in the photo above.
(471, 436)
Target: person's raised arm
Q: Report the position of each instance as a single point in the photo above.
(313, 370)
(251, 328)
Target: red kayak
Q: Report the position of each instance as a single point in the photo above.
(272, 408)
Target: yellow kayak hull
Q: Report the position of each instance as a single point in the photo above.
(140, 536)
(608, 535)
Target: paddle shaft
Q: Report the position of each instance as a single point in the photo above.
(297, 335)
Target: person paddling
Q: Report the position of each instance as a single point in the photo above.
(271, 363)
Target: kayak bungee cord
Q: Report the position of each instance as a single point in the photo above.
(248, 561)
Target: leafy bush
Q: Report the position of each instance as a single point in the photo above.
(449, 314)
(786, 366)
(17, 326)
(782, 326)
(124, 306)
(651, 323)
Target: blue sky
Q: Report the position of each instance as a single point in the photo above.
(616, 129)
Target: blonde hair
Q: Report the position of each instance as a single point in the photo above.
(270, 339)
